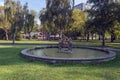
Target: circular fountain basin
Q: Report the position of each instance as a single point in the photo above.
(79, 54)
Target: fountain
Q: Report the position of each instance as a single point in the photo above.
(60, 17)
(65, 52)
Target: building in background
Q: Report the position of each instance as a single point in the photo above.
(83, 6)
(87, 6)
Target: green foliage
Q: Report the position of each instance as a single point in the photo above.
(116, 28)
(57, 16)
(28, 19)
(14, 17)
(78, 17)
(78, 23)
(103, 15)
(29, 23)
(33, 12)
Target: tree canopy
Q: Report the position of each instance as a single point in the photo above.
(103, 15)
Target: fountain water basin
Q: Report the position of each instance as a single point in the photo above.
(79, 54)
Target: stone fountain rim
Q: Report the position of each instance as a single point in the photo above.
(111, 55)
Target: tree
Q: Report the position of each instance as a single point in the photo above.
(78, 18)
(29, 20)
(5, 25)
(14, 14)
(26, 12)
(103, 16)
(114, 31)
(2, 34)
(18, 20)
(33, 12)
(36, 17)
(59, 12)
(44, 21)
(29, 24)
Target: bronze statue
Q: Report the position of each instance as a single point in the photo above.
(65, 42)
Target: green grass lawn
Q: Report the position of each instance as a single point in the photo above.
(29, 42)
(14, 67)
(115, 44)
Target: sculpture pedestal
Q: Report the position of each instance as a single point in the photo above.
(64, 51)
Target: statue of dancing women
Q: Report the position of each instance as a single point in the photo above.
(65, 42)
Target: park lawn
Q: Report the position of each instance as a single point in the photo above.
(115, 44)
(28, 42)
(14, 67)
(98, 43)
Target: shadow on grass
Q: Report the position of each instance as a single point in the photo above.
(11, 56)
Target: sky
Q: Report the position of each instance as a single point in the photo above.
(38, 5)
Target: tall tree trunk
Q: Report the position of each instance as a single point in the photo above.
(95, 36)
(61, 33)
(6, 34)
(54, 36)
(103, 39)
(43, 35)
(92, 36)
(49, 37)
(29, 35)
(88, 37)
(75, 35)
(99, 37)
(14, 38)
(43, 32)
(73, 4)
(112, 36)
(14, 34)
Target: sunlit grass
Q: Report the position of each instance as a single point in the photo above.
(28, 42)
(14, 67)
(115, 44)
